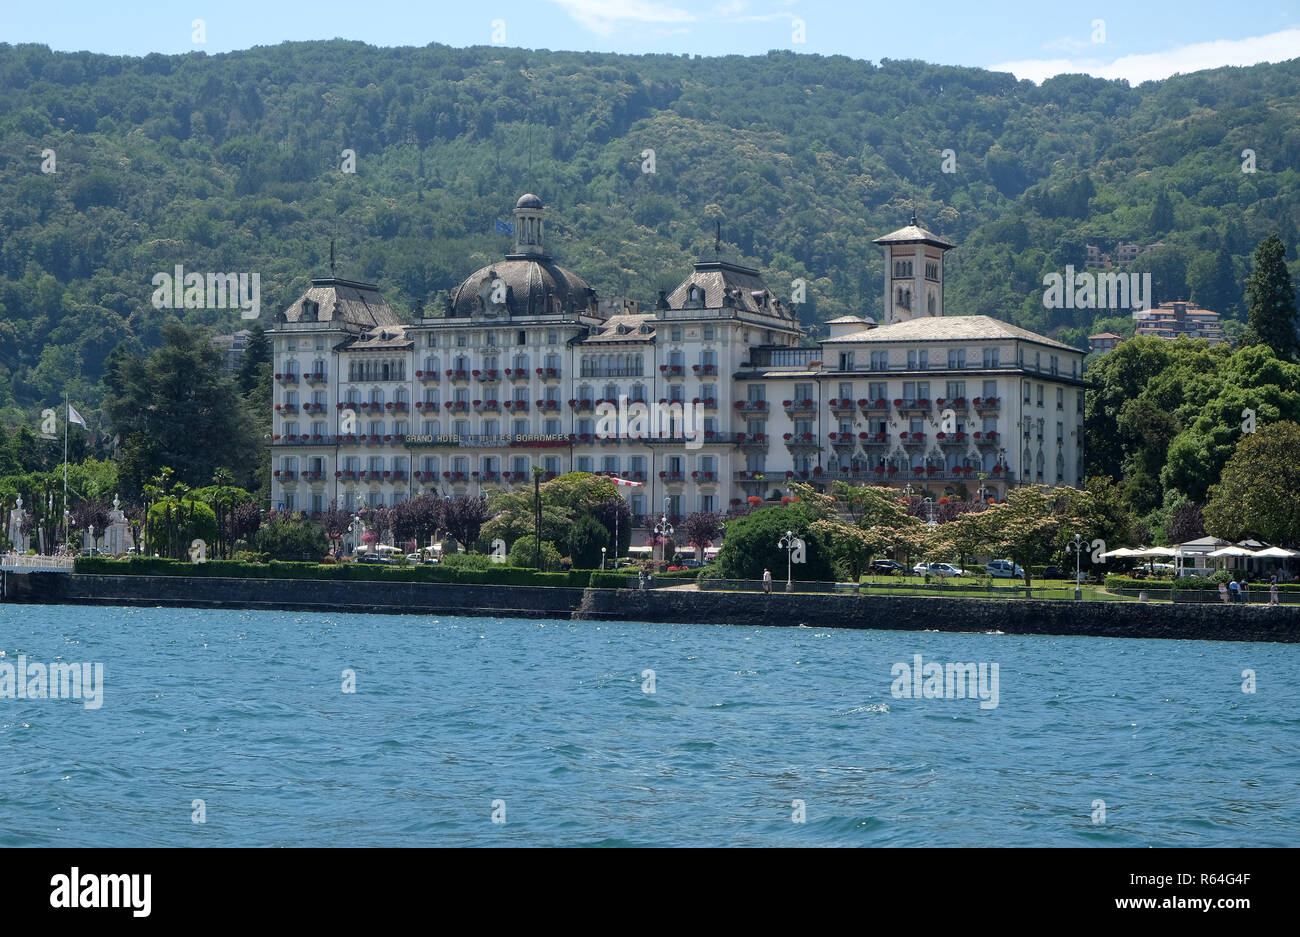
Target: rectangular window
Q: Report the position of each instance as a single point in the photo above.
(584, 463)
(708, 333)
(675, 333)
(956, 358)
(1060, 398)
(552, 337)
(990, 388)
(990, 357)
(846, 361)
(846, 391)
(880, 361)
(803, 392)
(877, 390)
(1040, 395)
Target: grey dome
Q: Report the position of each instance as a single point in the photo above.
(528, 201)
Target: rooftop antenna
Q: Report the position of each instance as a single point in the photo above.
(331, 257)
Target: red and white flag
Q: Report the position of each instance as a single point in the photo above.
(624, 481)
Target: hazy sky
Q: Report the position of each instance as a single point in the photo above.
(1133, 40)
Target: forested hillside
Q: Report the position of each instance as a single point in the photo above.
(231, 163)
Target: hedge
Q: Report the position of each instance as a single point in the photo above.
(360, 572)
(1189, 583)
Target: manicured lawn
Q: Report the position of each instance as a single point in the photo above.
(1001, 588)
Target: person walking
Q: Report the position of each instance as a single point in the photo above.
(767, 581)
(1245, 590)
(1223, 593)
(1234, 588)
(1272, 591)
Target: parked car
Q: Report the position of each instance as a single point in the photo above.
(1004, 569)
(1052, 572)
(693, 563)
(374, 558)
(886, 567)
(937, 569)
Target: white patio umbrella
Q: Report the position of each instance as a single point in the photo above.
(1276, 553)
(1230, 551)
(1119, 553)
(1156, 551)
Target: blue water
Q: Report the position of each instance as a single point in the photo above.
(245, 711)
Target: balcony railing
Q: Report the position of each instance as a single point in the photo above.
(317, 377)
(487, 406)
(705, 369)
(428, 377)
(672, 370)
(842, 405)
(750, 406)
(552, 405)
(879, 405)
(751, 440)
(987, 404)
(287, 378)
(549, 374)
(490, 376)
(952, 439)
(843, 441)
(457, 374)
(674, 477)
(801, 441)
(517, 374)
(793, 407)
(989, 438)
(515, 406)
(874, 439)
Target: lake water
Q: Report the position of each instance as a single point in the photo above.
(549, 726)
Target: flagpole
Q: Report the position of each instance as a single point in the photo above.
(65, 466)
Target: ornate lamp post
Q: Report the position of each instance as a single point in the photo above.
(663, 530)
(1077, 545)
(602, 559)
(788, 543)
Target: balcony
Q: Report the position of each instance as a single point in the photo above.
(912, 406)
(750, 406)
(548, 406)
(912, 439)
(583, 405)
(432, 406)
(751, 478)
(487, 406)
(457, 406)
(456, 478)
(704, 478)
(318, 408)
(751, 441)
(675, 478)
(517, 375)
(316, 378)
(986, 404)
(878, 406)
(986, 439)
(427, 377)
(952, 439)
(549, 374)
(806, 407)
(490, 376)
(286, 407)
(287, 378)
(873, 439)
(425, 478)
(705, 369)
(515, 406)
(843, 442)
(457, 375)
(397, 406)
(286, 475)
(708, 403)
(842, 406)
(796, 442)
(305, 439)
(672, 370)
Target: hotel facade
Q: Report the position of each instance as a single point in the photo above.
(708, 399)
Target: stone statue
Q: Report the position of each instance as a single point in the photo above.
(117, 538)
(17, 517)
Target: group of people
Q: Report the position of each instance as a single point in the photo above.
(1238, 590)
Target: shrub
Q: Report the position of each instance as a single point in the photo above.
(523, 554)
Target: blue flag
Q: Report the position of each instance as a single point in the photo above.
(503, 227)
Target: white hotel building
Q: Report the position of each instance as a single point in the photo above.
(510, 377)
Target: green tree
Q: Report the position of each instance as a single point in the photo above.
(751, 545)
(292, 538)
(1272, 319)
(585, 540)
(524, 551)
(1256, 495)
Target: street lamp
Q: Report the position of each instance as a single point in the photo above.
(663, 530)
(929, 511)
(788, 543)
(602, 559)
(1077, 545)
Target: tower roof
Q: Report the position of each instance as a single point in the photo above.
(913, 233)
